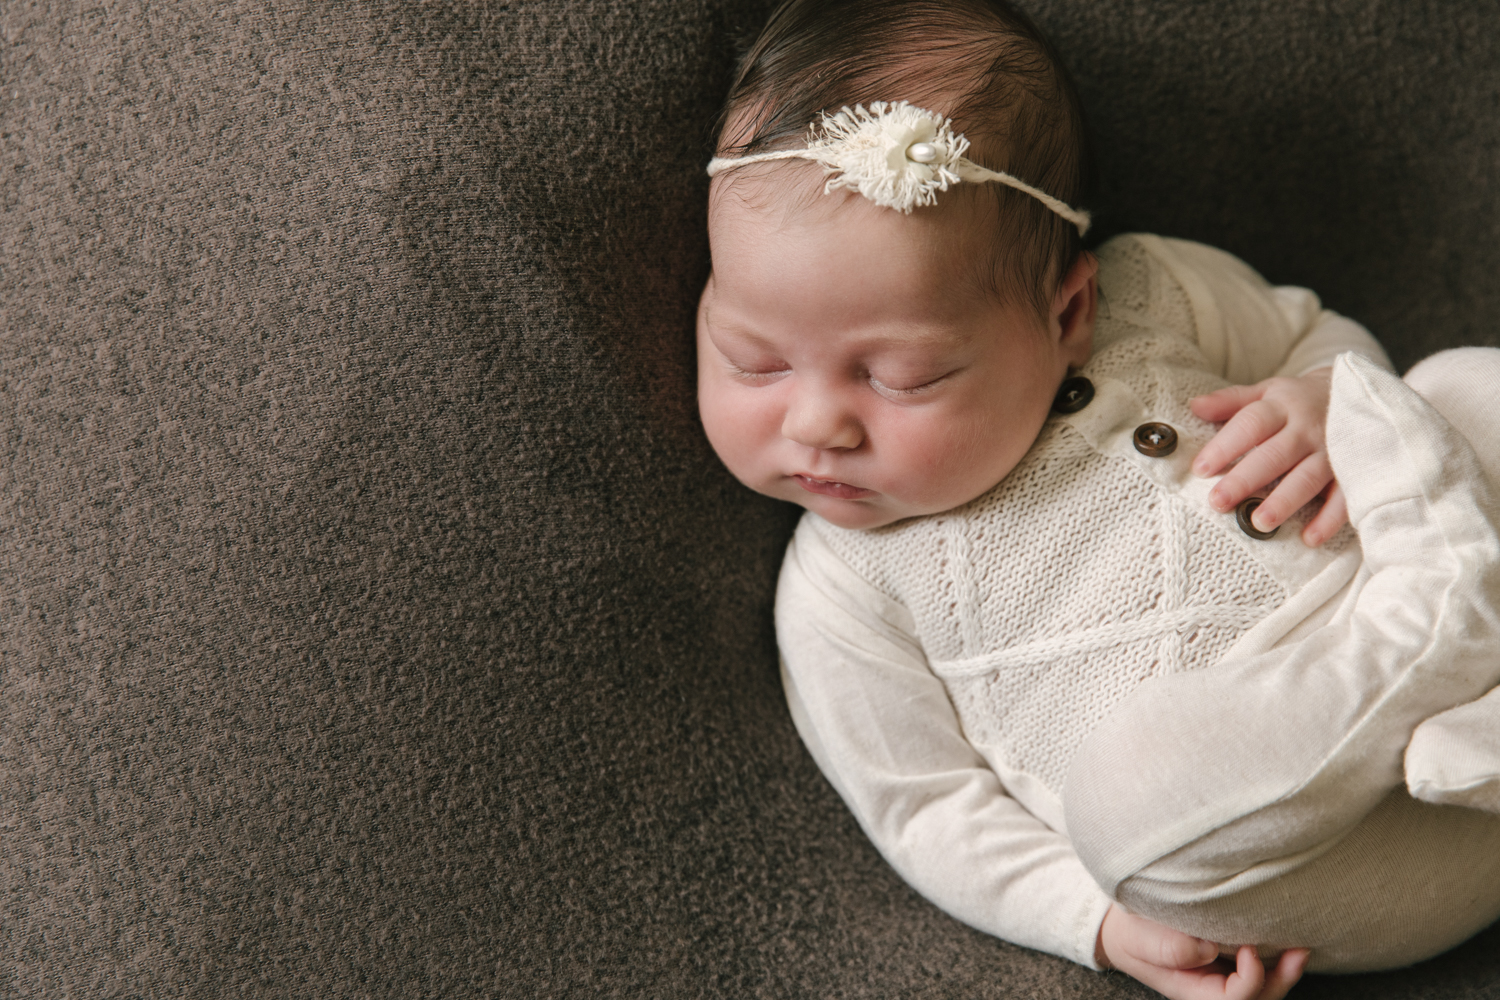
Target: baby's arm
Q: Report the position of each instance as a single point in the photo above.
(881, 728)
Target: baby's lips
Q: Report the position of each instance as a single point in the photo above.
(831, 488)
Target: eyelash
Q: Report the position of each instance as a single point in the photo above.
(915, 390)
(743, 375)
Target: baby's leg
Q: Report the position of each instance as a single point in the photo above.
(1410, 881)
(1454, 757)
(1234, 781)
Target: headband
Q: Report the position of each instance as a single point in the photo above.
(898, 156)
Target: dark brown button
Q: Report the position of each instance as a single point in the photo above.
(1155, 440)
(1242, 514)
(1073, 395)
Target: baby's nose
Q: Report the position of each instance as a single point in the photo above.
(819, 421)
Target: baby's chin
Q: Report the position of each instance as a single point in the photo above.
(874, 509)
(877, 510)
(851, 515)
(860, 514)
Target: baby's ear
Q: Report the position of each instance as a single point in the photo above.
(1074, 308)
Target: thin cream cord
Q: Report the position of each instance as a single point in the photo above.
(719, 163)
(968, 170)
(973, 172)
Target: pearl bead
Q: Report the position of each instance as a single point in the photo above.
(922, 152)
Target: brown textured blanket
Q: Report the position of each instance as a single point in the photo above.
(374, 619)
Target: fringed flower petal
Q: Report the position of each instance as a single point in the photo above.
(871, 151)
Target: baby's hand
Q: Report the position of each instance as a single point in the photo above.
(1188, 968)
(1280, 424)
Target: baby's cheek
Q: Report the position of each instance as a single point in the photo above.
(734, 428)
(718, 426)
(962, 457)
(927, 455)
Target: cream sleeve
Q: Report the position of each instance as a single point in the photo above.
(1250, 330)
(880, 726)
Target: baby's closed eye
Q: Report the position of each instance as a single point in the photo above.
(758, 371)
(905, 387)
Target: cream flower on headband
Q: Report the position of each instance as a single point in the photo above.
(898, 156)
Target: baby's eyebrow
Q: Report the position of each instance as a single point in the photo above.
(732, 327)
(936, 338)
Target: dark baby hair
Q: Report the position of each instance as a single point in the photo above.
(1014, 102)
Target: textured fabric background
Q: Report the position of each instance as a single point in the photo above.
(374, 620)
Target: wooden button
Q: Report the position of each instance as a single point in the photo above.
(1242, 514)
(1155, 440)
(1073, 395)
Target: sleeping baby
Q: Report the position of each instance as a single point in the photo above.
(1074, 622)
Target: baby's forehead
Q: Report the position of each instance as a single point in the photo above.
(793, 193)
(761, 206)
(789, 189)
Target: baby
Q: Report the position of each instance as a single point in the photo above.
(1095, 676)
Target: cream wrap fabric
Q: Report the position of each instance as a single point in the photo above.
(944, 671)
(1452, 757)
(1203, 787)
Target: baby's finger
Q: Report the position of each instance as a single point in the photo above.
(1244, 983)
(1218, 406)
(1248, 978)
(1165, 948)
(1268, 461)
(1311, 477)
(1329, 520)
(1281, 979)
(1247, 429)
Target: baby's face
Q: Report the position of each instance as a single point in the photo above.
(849, 361)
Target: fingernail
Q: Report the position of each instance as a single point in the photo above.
(1216, 500)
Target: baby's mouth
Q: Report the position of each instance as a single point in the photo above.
(830, 488)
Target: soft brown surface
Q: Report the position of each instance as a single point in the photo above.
(374, 620)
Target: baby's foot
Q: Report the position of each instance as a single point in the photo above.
(1417, 492)
(1436, 502)
(1453, 759)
